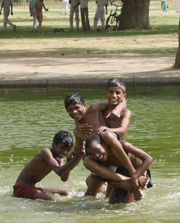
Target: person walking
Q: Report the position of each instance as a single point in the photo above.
(8, 7)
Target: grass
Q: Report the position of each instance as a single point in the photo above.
(162, 38)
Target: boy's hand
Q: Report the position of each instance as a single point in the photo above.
(138, 195)
(143, 181)
(102, 129)
(86, 129)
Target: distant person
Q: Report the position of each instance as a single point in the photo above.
(42, 164)
(103, 150)
(100, 13)
(8, 7)
(74, 9)
(84, 15)
(39, 6)
(65, 6)
(178, 6)
(33, 13)
(164, 5)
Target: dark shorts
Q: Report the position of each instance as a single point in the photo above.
(25, 191)
(122, 194)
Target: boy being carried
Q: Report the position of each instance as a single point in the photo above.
(104, 150)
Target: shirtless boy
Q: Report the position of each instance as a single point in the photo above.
(39, 6)
(103, 150)
(42, 164)
(93, 120)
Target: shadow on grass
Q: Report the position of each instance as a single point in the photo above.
(26, 32)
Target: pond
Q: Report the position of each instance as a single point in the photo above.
(28, 122)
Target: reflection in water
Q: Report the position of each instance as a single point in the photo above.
(29, 120)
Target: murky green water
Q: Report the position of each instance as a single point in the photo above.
(29, 120)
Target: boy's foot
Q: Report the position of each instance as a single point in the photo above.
(14, 28)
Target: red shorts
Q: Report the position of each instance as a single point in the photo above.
(25, 191)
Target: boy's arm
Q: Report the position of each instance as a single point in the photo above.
(103, 171)
(117, 110)
(122, 130)
(143, 156)
(57, 165)
(46, 9)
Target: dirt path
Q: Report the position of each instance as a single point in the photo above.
(134, 68)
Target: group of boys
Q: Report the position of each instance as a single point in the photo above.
(118, 168)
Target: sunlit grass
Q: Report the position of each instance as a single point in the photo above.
(162, 38)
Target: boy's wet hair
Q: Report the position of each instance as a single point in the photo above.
(114, 82)
(72, 99)
(94, 137)
(63, 137)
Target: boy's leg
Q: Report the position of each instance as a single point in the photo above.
(56, 191)
(42, 195)
(94, 186)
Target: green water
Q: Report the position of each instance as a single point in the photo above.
(29, 120)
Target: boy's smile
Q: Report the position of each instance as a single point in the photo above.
(115, 95)
(97, 152)
(59, 150)
(76, 111)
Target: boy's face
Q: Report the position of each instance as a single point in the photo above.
(97, 152)
(76, 111)
(115, 95)
(60, 150)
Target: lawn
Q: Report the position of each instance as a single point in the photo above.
(162, 38)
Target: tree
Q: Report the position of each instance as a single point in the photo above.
(177, 61)
(135, 14)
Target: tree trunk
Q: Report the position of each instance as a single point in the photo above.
(135, 14)
(177, 61)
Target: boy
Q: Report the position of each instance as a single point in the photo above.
(103, 150)
(42, 164)
(39, 5)
(7, 4)
(88, 122)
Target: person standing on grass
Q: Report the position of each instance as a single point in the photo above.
(8, 6)
(65, 6)
(100, 13)
(164, 5)
(84, 15)
(74, 10)
(39, 6)
(33, 13)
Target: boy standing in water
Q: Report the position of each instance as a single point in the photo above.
(103, 151)
(42, 164)
(39, 5)
(93, 121)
